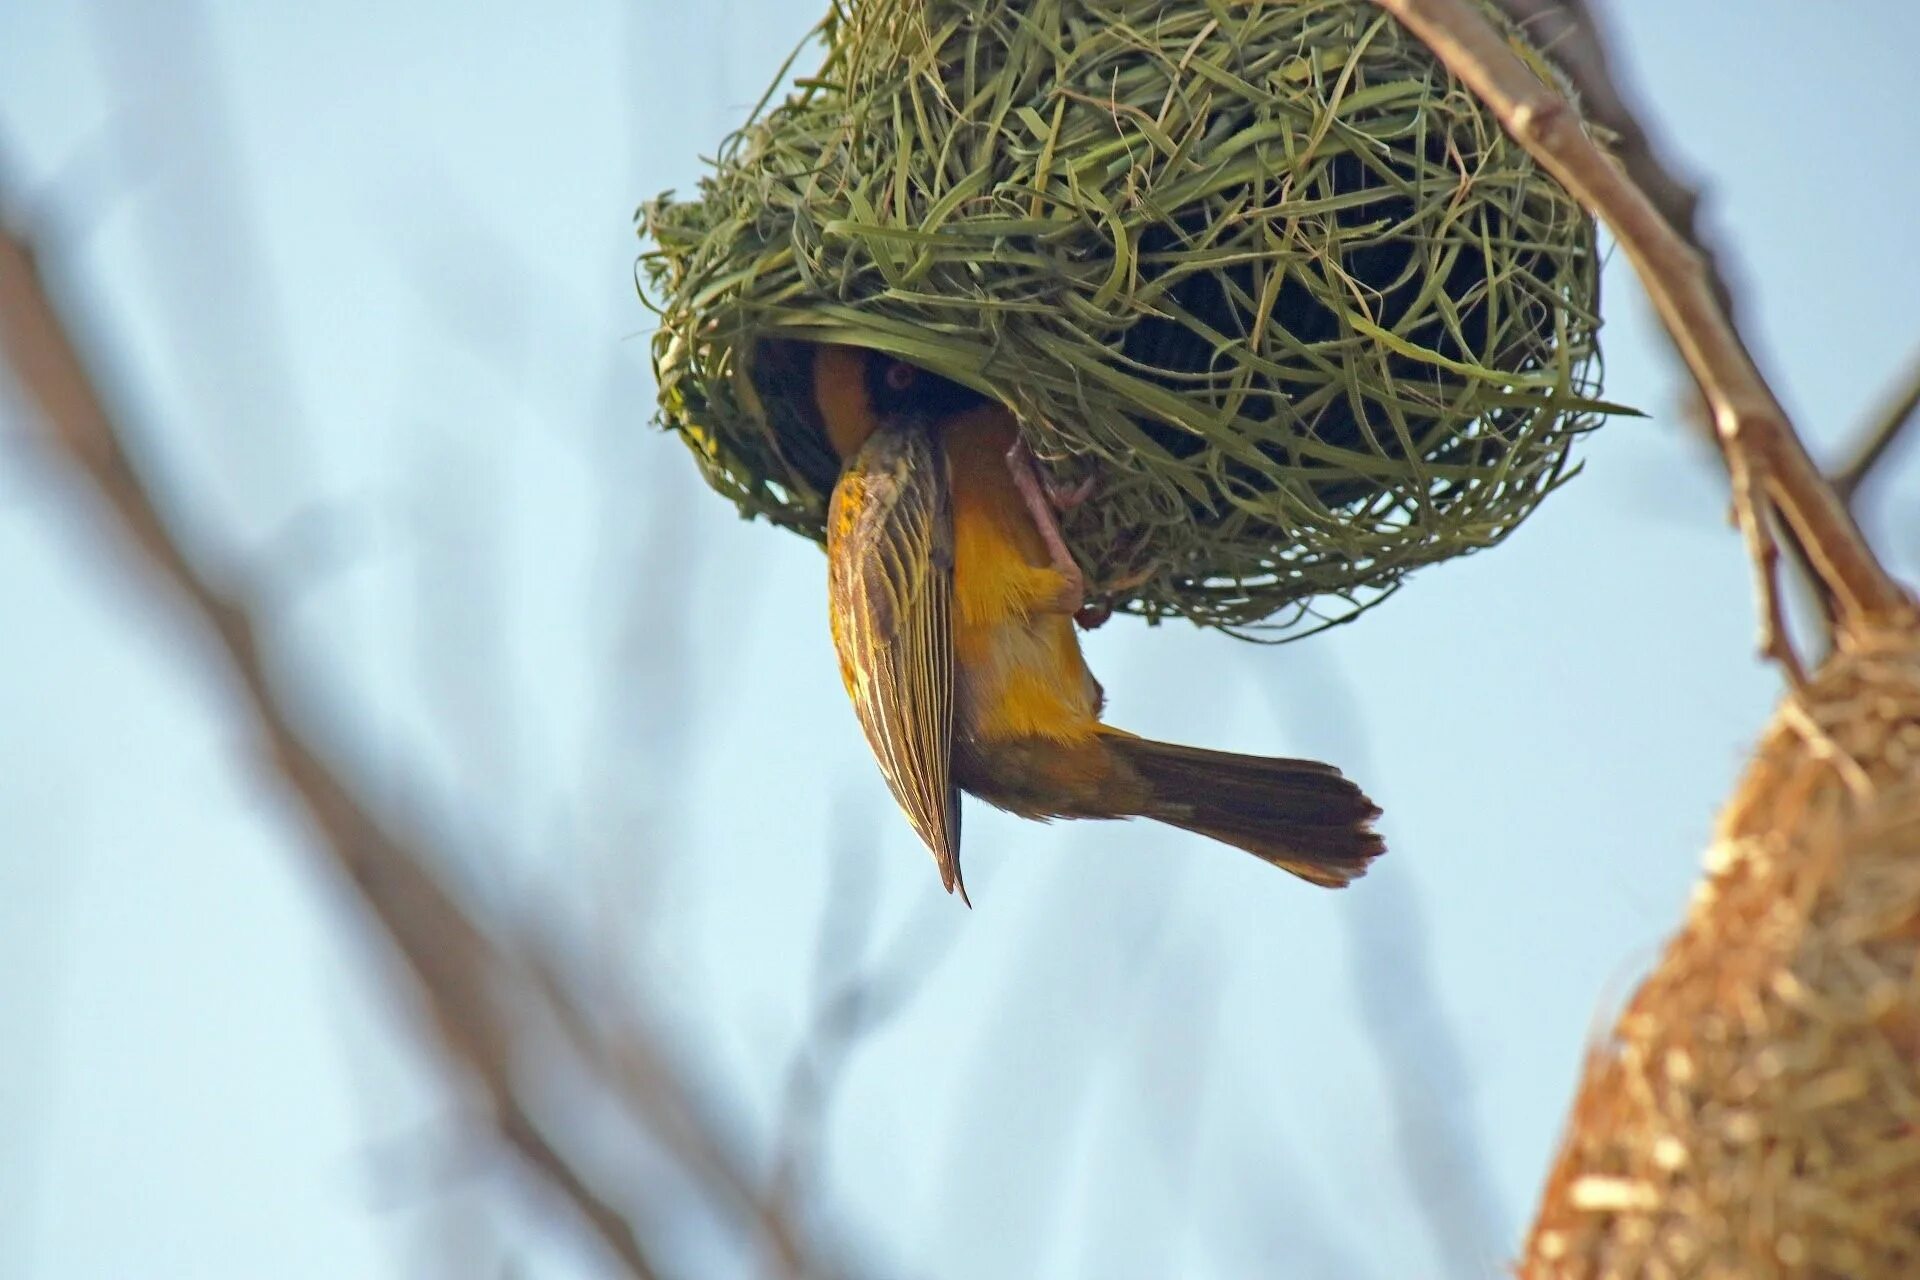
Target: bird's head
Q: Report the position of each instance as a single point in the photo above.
(859, 391)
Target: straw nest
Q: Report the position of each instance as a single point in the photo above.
(1757, 1112)
(1263, 268)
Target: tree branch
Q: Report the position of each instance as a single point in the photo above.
(1771, 473)
(456, 969)
(1901, 410)
(489, 1006)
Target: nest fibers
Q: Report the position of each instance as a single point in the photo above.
(1263, 268)
(1757, 1111)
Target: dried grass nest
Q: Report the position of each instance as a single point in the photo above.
(1756, 1112)
(1262, 266)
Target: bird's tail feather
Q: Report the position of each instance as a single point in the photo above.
(1300, 815)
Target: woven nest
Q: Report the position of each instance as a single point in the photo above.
(1757, 1112)
(1264, 268)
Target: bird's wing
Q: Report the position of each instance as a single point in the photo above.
(890, 579)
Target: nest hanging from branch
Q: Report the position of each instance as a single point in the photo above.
(1264, 269)
(1757, 1111)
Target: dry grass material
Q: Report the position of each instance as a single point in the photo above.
(1757, 1111)
(1265, 269)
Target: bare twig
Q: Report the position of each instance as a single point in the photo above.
(1427, 1081)
(1570, 32)
(487, 1004)
(1417, 1048)
(855, 995)
(627, 1059)
(1176, 1034)
(455, 967)
(837, 1015)
(1763, 556)
(1772, 474)
(176, 134)
(1902, 408)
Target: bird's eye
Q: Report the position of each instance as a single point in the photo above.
(900, 375)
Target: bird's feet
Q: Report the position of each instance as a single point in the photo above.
(1042, 502)
(1093, 613)
(1091, 616)
(1067, 497)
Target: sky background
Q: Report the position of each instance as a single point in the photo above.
(366, 275)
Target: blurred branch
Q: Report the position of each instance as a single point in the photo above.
(1174, 1054)
(837, 1017)
(1901, 408)
(455, 967)
(487, 1004)
(1771, 475)
(176, 134)
(1418, 1049)
(854, 995)
(626, 1059)
(1297, 1242)
(1427, 1080)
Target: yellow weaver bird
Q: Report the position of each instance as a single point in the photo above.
(953, 595)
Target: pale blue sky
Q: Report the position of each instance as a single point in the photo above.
(369, 271)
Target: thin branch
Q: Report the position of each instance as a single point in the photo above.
(1419, 1054)
(1569, 32)
(1169, 1065)
(635, 1067)
(1763, 556)
(837, 1012)
(1901, 410)
(487, 1005)
(457, 970)
(177, 135)
(1418, 1049)
(565, 1177)
(1772, 474)
(856, 994)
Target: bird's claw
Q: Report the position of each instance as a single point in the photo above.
(1040, 505)
(1067, 497)
(1092, 616)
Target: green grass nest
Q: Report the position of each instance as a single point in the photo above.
(1264, 268)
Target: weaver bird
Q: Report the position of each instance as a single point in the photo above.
(952, 598)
